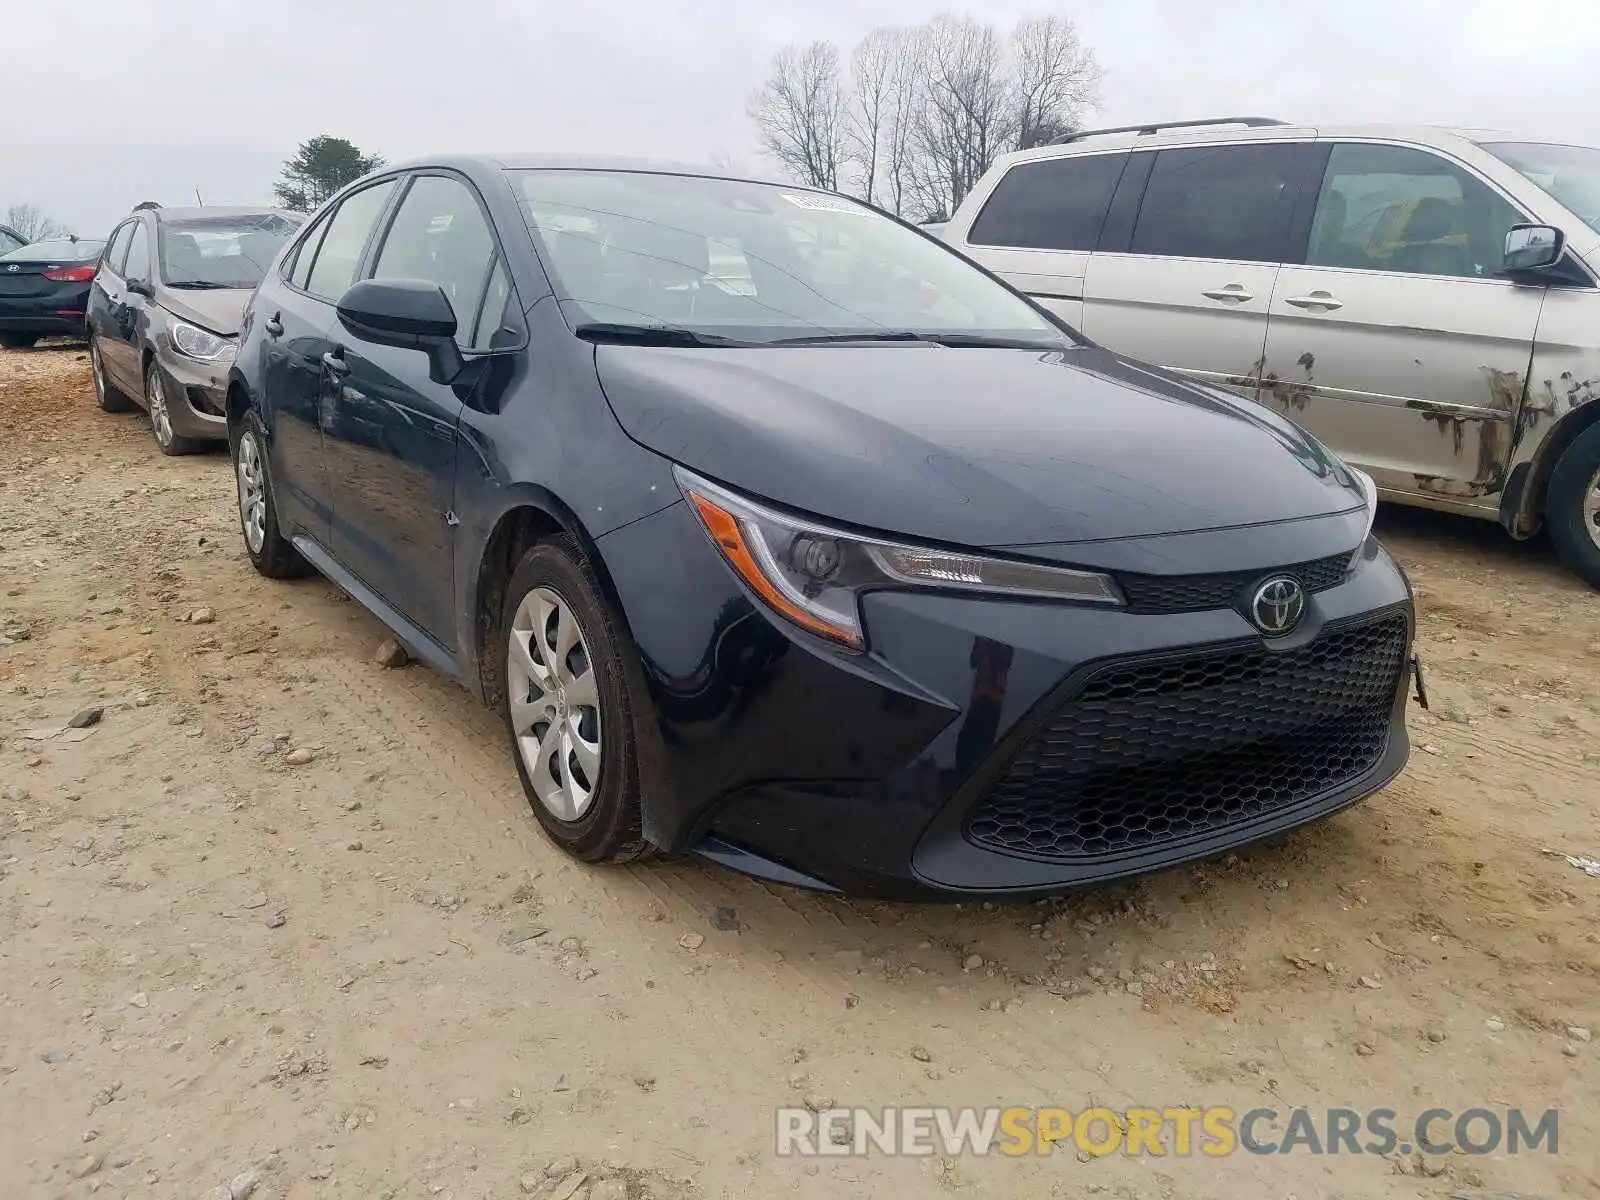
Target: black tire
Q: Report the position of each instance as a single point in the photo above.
(608, 831)
(276, 558)
(18, 341)
(105, 392)
(1577, 538)
(173, 446)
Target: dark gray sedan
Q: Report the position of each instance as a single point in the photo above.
(164, 313)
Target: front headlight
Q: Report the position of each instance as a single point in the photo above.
(194, 342)
(814, 575)
(1370, 489)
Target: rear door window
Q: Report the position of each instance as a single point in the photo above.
(1058, 204)
(1225, 202)
(339, 255)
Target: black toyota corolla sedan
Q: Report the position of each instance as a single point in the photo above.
(782, 534)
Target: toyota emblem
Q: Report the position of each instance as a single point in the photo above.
(1278, 605)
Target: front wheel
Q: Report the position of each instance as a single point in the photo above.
(1572, 506)
(567, 704)
(158, 404)
(270, 552)
(105, 392)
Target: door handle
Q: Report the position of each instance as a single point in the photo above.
(1234, 291)
(1316, 299)
(335, 365)
(273, 326)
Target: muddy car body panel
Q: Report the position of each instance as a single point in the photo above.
(1135, 518)
(1353, 278)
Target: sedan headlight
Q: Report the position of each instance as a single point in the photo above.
(194, 342)
(1370, 490)
(814, 575)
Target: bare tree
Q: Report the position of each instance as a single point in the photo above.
(31, 223)
(871, 96)
(967, 117)
(800, 113)
(1057, 79)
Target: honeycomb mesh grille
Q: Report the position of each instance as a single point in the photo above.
(1159, 751)
(1197, 593)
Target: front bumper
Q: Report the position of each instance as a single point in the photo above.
(197, 395)
(950, 759)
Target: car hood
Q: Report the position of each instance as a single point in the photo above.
(220, 310)
(977, 447)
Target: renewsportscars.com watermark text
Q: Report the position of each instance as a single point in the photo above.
(1160, 1132)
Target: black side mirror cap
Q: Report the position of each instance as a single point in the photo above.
(141, 287)
(412, 314)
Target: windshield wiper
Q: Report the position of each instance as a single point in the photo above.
(651, 335)
(960, 340)
(200, 285)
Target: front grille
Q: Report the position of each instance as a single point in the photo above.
(1196, 593)
(1158, 751)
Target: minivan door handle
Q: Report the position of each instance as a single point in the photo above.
(1317, 299)
(273, 325)
(1234, 291)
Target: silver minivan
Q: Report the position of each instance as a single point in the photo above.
(1423, 300)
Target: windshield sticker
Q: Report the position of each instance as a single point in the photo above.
(831, 204)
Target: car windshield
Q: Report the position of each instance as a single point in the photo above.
(57, 250)
(738, 262)
(231, 251)
(1569, 173)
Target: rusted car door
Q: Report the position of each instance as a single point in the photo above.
(1395, 341)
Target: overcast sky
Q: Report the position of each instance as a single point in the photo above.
(109, 102)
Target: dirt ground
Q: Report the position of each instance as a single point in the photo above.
(367, 975)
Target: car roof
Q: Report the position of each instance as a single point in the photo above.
(1116, 141)
(217, 210)
(588, 162)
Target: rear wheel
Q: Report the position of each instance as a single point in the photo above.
(18, 341)
(1572, 505)
(158, 404)
(270, 552)
(105, 393)
(561, 682)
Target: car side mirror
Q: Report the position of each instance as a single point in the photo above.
(1533, 247)
(141, 287)
(412, 314)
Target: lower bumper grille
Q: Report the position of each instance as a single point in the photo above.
(1156, 751)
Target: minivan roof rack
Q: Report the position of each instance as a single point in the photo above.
(1146, 130)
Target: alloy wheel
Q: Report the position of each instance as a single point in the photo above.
(160, 417)
(252, 492)
(1591, 508)
(555, 703)
(97, 370)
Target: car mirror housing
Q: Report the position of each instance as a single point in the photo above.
(1533, 247)
(141, 287)
(412, 314)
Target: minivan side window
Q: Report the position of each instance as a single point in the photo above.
(1057, 204)
(1393, 208)
(118, 249)
(439, 234)
(138, 265)
(334, 269)
(1232, 202)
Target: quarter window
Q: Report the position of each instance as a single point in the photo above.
(494, 315)
(1392, 208)
(440, 235)
(1231, 202)
(1058, 204)
(334, 269)
(138, 267)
